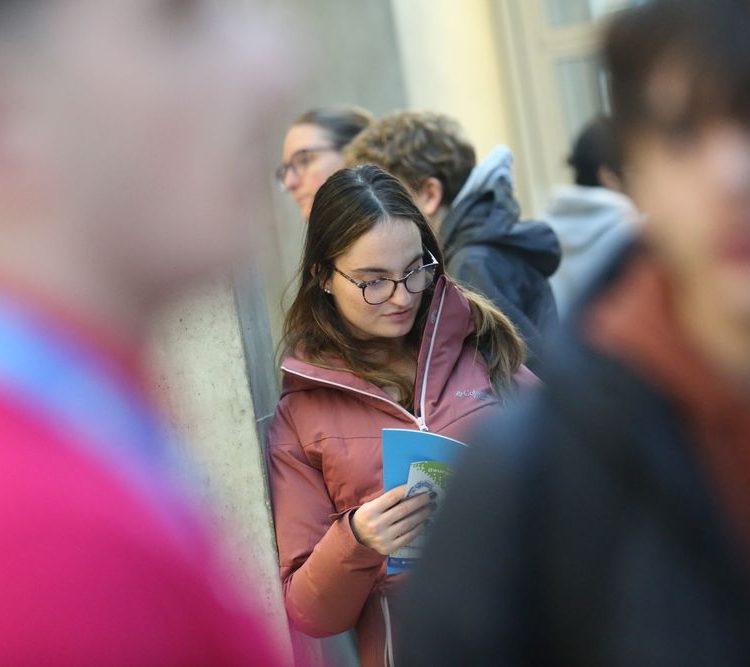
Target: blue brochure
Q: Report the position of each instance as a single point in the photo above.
(424, 462)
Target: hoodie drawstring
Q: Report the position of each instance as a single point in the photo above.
(388, 654)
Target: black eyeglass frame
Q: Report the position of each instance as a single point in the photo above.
(283, 169)
(365, 284)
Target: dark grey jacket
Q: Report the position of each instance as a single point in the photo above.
(490, 250)
(582, 532)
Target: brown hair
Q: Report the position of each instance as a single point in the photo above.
(349, 204)
(414, 146)
(704, 43)
(341, 124)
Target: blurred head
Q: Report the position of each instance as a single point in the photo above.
(127, 134)
(313, 150)
(596, 157)
(426, 151)
(365, 231)
(680, 76)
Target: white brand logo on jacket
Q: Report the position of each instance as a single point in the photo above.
(474, 393)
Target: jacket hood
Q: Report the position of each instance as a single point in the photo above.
(449, 323)
(582, 215)
(485, 212)
(496, 166)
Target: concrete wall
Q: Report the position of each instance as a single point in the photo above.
(202, 375)
(452, 64)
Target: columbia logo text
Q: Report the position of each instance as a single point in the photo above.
(473, 393)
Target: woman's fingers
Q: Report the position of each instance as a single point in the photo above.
(407, 507)
(396, 497)
(407, 538)
(371, 521)
(389, 499)
(389, 516)
(410, 522)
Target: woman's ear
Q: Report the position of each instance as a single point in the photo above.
(325, 283)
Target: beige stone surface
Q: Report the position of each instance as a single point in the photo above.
(201, 374)
(452, 64)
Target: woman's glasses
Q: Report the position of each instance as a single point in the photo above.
(379, 291)
(299, 162)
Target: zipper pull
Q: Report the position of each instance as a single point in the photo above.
(421, 423)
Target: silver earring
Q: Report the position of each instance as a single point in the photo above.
(326, 290)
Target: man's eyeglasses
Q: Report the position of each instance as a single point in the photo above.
(299, 162)
(379, 291)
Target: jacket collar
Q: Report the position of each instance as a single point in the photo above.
(449, 323)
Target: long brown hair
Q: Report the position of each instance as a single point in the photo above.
(349, 204)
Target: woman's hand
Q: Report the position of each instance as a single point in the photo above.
(391, 521)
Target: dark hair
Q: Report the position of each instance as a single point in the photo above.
(341, 124)
(415, 146)
(349, 204)
(595, 147)
(702, 45)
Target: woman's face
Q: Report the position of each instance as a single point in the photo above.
(310, 159)
(388, 250)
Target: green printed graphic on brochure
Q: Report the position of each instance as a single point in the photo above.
(424, 462)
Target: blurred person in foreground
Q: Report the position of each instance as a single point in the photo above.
(593, 217)
(472, 209)
(313, 148)
(609, 522)
(126, 141)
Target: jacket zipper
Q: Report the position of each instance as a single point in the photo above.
(421, 420)
(388, 653)
(417, 420)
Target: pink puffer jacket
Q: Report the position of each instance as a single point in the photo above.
(325, 461)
